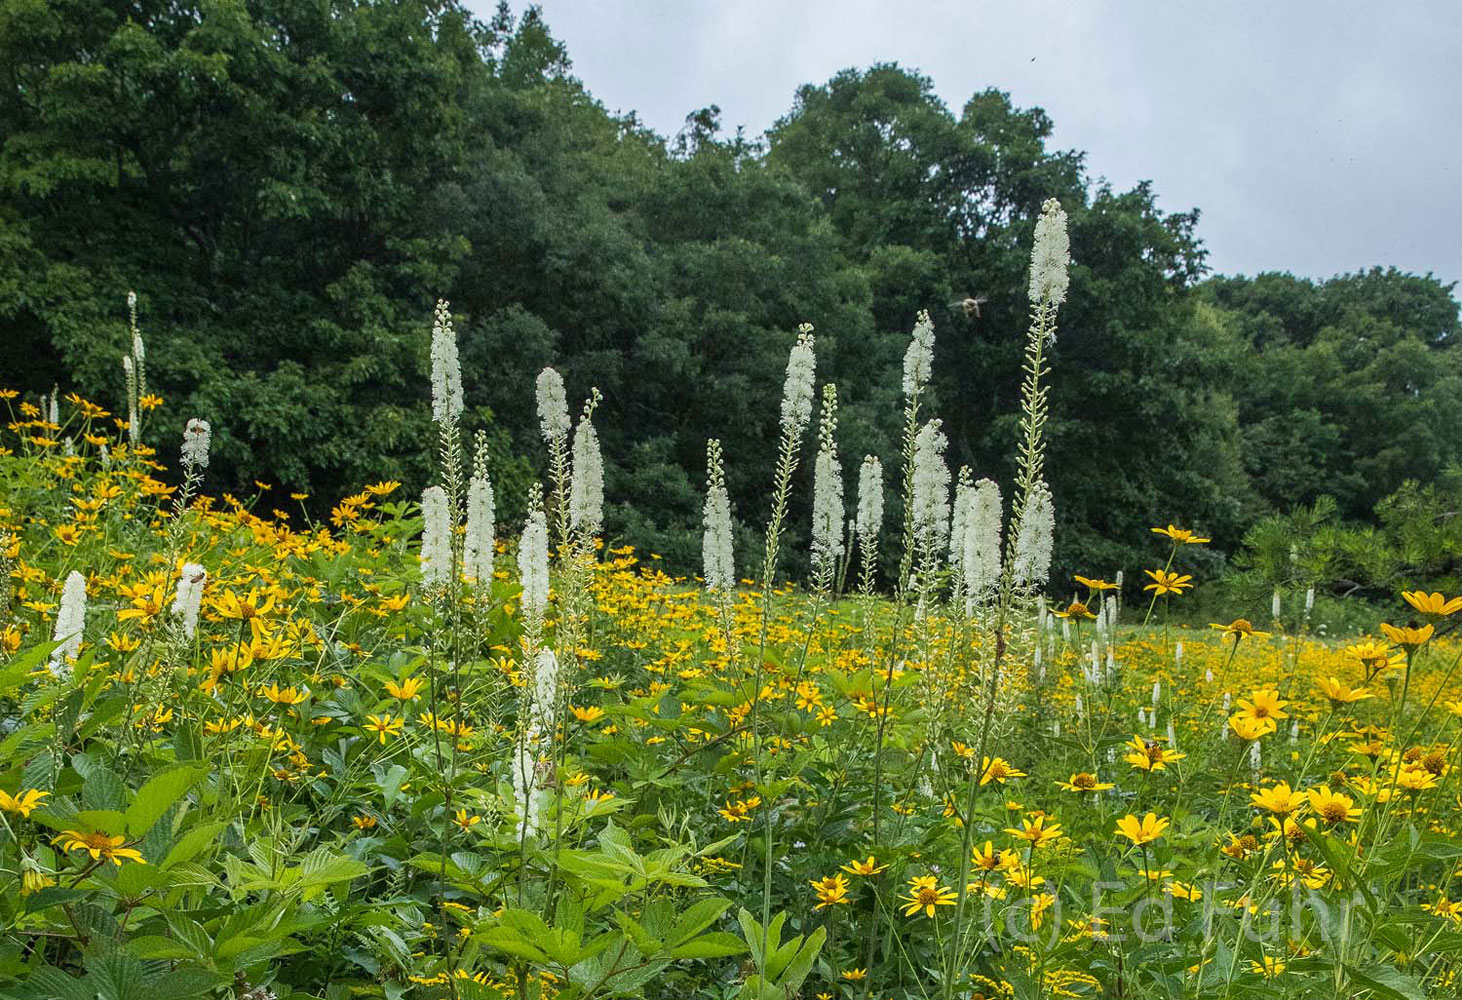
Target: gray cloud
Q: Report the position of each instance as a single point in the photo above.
(1316, 138)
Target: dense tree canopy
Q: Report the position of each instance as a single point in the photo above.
(290, 185)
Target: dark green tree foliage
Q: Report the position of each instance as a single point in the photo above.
(1346, 388)
(289, 186)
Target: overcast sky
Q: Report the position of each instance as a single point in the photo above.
(1315, 137)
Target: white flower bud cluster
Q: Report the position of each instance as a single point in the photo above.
(553, 405)
(197, 436)
(919, 358)
(870, 501)
(1035, 539)
(479, 544)
(533, 563)
(1050, 256)
(717, 552)
(827, 489)
(446, 368)
(436, 538)
(797, 391)
(189, 596)
(931, 486)
(70, 624)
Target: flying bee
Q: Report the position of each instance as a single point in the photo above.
(970, 304)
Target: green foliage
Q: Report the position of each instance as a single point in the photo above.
(289, 187)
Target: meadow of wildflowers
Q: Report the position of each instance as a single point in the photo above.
(413, 752)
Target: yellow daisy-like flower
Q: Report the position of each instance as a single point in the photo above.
(869, 867)
(284, 696)
(830, 891)
(1142, 831)
(1263, 706)
(1374, 656)
(1037, 831)
(1091, 584)
(1181, 536)
(384, 726)
(925, 893)
(407, 690)
(1407, 636)
(1150, 755)
(23, 801)
(99, 845)
(1432, 604)
(1342, 694)
(1164, 582)
(998, 769)
(1238, 628)
(1333, 807)
(1085, 781)
(1076, 610)
(589, 715)
(1279, 799)
(1250, 729)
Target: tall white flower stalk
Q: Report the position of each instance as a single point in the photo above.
(718, 557)
(436, 540)
(717, 550)
(869, 522)
(586, 489)
(70, 624)
(555, 424)
(533, 572)
(796, 414)
(930, 496)
(959, 529)
(480, 540)
(918, 366)
(189, 597)
(1049, 283)
(827, 495)
(980, 553)
(134, 370)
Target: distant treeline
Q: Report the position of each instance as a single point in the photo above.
(290, 185)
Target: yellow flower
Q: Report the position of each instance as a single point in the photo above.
(1407, 636)
(1164, 582)
(23, 802)
(853, 975)
(1342, 694)
(1264, 707)
(1076, 610)
(465, 821)
(1037, 831)
(925, 893)
(1248, 728)
(589, 715)
(1180, 536)
(407, 690)
(363, 821)
(284, 696)
(1432, 604)
(383, 488)
(1142, 831)
(830, 891)
(739, 811)
(1333, 807)
(1374, 655)
(1095, 584)
(1279, 799)
(384, 726)
(1417, 779)
(99, 845)
(1084, 781)
(869, 867)
(1238, 628)
(998, 769)
(1269, 968)
(1150, 755)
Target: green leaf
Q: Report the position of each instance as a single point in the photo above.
(158, 795)
(1389, 982)
(695, 919)
(192, 843)
(716, 944)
